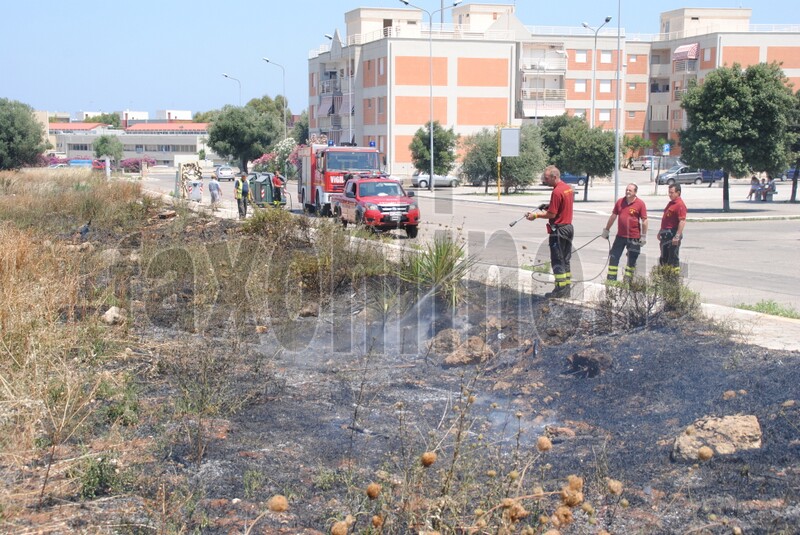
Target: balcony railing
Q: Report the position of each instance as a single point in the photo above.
(544, 65)
(541, 93)
(678, 94)
(658, 127)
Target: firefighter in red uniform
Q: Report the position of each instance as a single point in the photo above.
(631, 232)
(277, 186)
(671, 234)
(559, 227)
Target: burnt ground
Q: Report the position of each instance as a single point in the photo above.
(354, 391)
(344, 411)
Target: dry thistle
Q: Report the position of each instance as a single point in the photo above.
(571, 497)
(705, 453)
(737, 530)
(428, 458)
(506, 503)
(552, 532)
(614, 487)
(544, 444)
(575, 482)
(513, 475)
(373, 490)
(377, 521)
(491, 473)
(538, 492)
(340, 528)
(563, 515)
(588, 508)
(517, 512)
(278, 504)
(624, 502)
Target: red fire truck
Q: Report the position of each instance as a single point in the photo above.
(324, 169)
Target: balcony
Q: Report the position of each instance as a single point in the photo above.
(529, 65)
(660, 70)
(543, 94)
(678, 94)
(658, 127)
(686, 66)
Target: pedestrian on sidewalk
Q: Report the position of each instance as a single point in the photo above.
(671, 234)
(241, 190)
(559, 228)
(216, 193)
(631, 232)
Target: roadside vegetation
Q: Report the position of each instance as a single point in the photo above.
(768, 306)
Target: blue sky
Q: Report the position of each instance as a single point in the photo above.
(100, 55)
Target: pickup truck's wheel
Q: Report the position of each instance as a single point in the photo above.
(698, 181)
(411, 231)
(337, 213)
(423, 184)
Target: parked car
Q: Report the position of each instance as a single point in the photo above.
(643, 163)
(569, 178)
(683, 174)
(788, 174)
(421, 180)
(224, 172)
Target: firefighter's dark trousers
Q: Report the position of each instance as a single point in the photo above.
(620, 244)
(560, 242)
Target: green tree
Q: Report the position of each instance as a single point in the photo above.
(586, 151)
(243, 134)
(480, 159)
(738, 121)
(444, 145)
(105, 118)
(271, 107)
(300, 129)
(22, 137)
(636, 144)
(109, 146)
(795, 130)
(551, 136)
(206, 116)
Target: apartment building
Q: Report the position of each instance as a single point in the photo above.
(393, 71)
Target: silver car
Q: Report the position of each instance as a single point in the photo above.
(225, 172)
(422, 180)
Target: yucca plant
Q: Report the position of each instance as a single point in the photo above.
(439, 268)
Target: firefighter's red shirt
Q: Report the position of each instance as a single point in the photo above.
(561, 200)
(673, 214)
(629, 217)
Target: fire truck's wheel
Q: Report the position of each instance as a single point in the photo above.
(411, 231)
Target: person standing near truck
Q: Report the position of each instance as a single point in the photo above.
(631, 232)
(559, 228)
(241, 191)
(671, 234)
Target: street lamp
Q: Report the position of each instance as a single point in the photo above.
(238, 82)
(616, 106)
(430, 73)
(594, 62)
(283, 72)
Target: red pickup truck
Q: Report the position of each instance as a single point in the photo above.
(377, 202)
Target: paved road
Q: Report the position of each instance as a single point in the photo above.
(738, 257)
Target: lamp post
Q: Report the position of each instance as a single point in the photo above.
(238, 82)
(616, 119)
(430, 73)
(594, 62)
(283, 74)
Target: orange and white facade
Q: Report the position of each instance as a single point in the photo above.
(489, 69)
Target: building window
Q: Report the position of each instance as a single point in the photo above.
(605, 86)
(676, 114)
(580, 56)
(604, 115)
(381, 101)
(580, 87)
(605, 56)
(380, 70)
(632, 58)
(632, 87)
(580, 113)
(631, 115)
(706, 54)
(655, 59)
(369, 103)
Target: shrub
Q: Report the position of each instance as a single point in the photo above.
(439, 269)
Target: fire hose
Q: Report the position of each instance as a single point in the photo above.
(602, 270)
